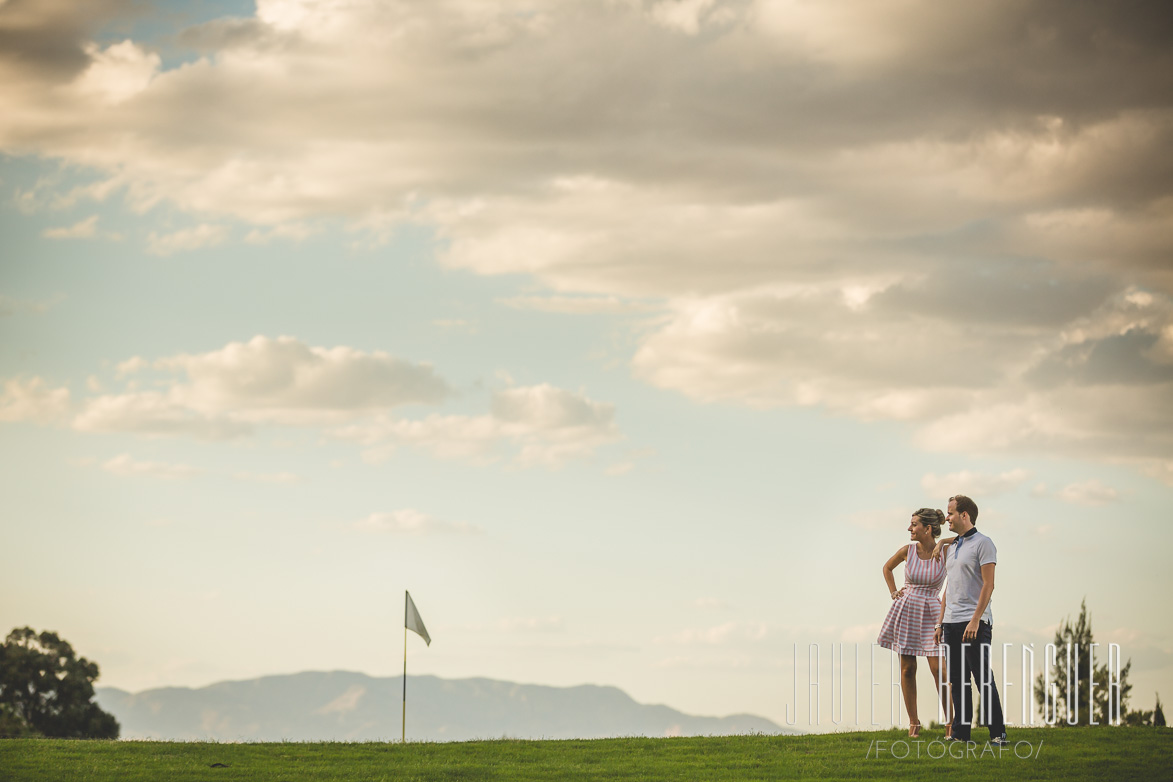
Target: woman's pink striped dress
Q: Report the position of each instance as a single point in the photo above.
(909, 627)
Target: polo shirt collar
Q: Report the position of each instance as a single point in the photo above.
(960, 539)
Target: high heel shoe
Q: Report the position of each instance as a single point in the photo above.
(948, 730)
(914, 730)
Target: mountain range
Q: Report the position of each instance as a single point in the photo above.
(346, 706)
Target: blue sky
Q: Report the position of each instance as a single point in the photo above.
(627, 337)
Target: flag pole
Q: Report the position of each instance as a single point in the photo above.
(403, 734)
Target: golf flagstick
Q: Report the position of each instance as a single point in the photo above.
(411, 621)
(403, 733)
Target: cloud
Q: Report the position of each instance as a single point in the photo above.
(32, 400)
(117, 73)
(727, 632)
(186, 239)
(126, 466)
(413, 522)
(10, 306)
(886, 209)
(80, 230)
(155, 413)
(542, 424)
(225, 393)
(284, 379)
(681, 15)
(277, 478)
(455, 326)
(973, 484)
(130, 366)
(1090, 492)
(577, 305)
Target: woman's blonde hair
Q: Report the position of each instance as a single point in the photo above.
(931, 518)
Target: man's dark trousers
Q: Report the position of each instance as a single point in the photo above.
(973, 659)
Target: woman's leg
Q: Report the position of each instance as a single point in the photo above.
(908, 686)
(935, 667)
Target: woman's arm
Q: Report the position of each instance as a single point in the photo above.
(889, 566)
(941, 546)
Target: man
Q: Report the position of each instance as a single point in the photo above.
(967, 621)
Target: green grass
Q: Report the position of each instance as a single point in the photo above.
(1064, 753)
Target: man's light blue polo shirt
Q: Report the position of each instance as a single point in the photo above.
(963, 564)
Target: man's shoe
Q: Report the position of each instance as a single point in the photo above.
(1001, 741)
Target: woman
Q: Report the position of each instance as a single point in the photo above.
(916, 609)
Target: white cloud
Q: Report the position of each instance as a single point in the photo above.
(283, 379)
(577, 305)
(455, 325)
(116, 73)
(409, 521)
(127, 466)
(83, 229)
(1090, 492)
(186, 239)
(681, 15)
(620, 468)
(716, 634)
(1116, 423)
(33, 400)
(809, 249)
(10, 306)
(279, 478)
(542, 424)
(130, 366)
(154, 413)
(724, 633)
(972, 484)
(224, 393)
(293, 231)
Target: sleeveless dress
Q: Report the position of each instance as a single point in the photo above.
(909, 626)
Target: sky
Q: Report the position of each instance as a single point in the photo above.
(626, 334)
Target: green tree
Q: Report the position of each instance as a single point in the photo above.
(1159, 714)
(47, 690)
(1079, 636)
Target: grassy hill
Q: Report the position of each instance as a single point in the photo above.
(1062, 754)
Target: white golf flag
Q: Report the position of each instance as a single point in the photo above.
(413, 622)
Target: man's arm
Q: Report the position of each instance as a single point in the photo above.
(940, 617)
(983, 601)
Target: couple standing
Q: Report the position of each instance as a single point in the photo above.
(921, 624)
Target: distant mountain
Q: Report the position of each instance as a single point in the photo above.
(343, 706)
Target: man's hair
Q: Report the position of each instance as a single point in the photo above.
(966, 505)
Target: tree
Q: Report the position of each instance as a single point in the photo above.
(1079, 636)
(47, 690)
(1159, 714)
